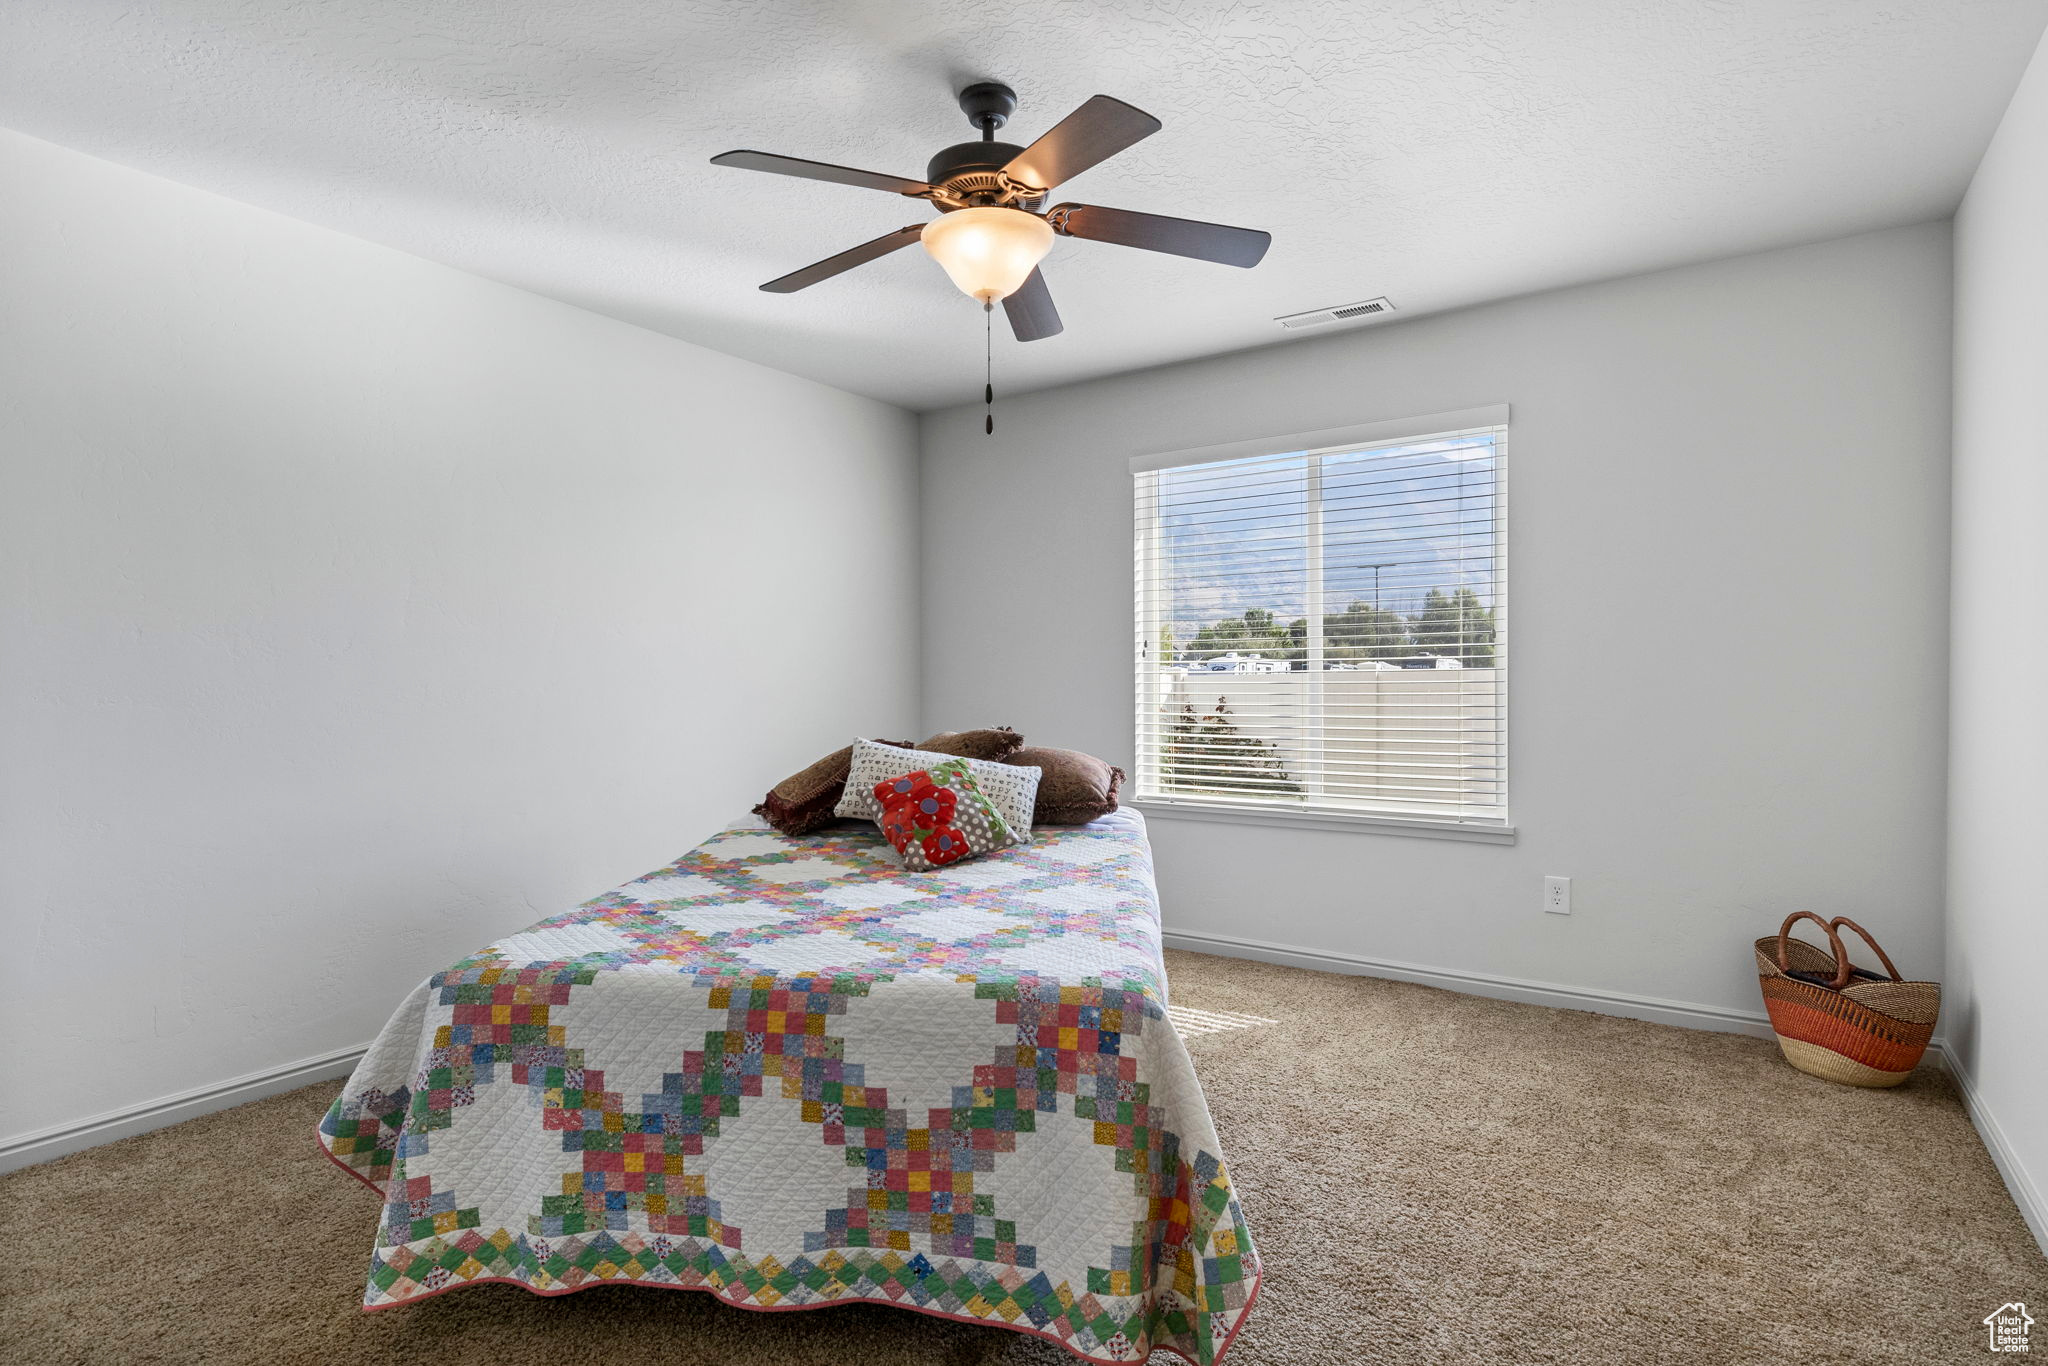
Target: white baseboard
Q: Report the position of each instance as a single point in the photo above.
(1688, 1014)
(44, 1145)
(2025, 1194)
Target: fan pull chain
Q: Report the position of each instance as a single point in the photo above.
(988, 366)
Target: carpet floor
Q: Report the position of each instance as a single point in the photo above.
(1429, 1177)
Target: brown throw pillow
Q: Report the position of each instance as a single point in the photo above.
(1073, 788)
(803, 801)
(992, 743)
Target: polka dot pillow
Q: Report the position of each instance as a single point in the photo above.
(1012, 791)
(938, 816)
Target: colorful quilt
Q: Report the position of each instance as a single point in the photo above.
(786, 1071)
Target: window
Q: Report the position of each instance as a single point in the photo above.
(1321, 626)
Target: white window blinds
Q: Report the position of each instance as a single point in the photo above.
(1324, 630)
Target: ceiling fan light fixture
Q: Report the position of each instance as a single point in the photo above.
(988, 252)
(993, 228)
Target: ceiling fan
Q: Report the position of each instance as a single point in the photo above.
(991, 231)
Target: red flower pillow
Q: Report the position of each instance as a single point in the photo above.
(938, 815)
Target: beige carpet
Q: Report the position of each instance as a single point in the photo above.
(1430, 1178)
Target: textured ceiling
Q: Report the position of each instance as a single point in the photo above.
(1442, 152)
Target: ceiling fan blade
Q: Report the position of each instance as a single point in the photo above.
(844, 261)
(1156, 232)
(1094, 133)
(820, 170)
(1032, 316)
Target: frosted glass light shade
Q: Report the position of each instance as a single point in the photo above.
(988, 252)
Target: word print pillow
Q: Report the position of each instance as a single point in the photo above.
(1011, 790)
(938, 816)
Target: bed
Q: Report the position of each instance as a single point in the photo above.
(786, 1071)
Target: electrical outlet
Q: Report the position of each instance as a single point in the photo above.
(1557, 895)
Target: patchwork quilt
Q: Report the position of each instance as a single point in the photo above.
(786, 1071)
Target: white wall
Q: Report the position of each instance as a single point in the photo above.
(357, 611)
(1997, 1008)
(1728, 511)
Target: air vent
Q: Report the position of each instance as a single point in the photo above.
(1324, 317)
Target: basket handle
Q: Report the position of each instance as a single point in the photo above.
(1882, 956)
(1834, 942)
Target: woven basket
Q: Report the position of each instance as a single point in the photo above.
(1839, 1021)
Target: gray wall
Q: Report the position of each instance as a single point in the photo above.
(355, 611)
(1996, 1006)
(1728, 536)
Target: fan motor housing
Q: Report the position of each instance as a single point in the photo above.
(970, 173)
(963, 159)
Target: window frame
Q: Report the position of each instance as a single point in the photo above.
(1331, 440)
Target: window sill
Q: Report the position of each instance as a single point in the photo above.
(1423, 828)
